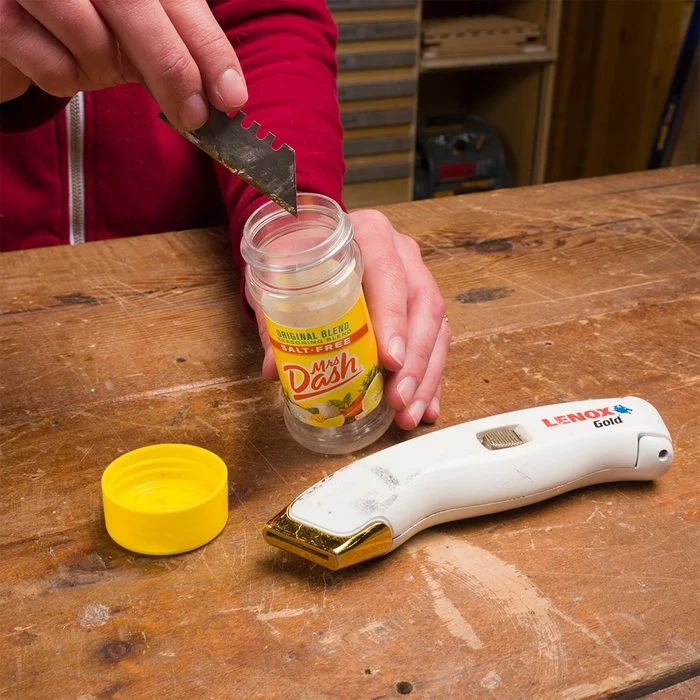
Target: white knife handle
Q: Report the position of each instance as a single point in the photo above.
(463, 471)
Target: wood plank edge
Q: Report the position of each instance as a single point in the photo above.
(663, 680)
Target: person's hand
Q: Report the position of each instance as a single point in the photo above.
(174, 47)
(408, 313)
(12, 83)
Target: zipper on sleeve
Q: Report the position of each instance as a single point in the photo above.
(75, 115)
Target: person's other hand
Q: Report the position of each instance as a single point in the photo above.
(408, 313)
(174, 47)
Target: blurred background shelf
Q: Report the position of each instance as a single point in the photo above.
(378, 57)
(499, 70)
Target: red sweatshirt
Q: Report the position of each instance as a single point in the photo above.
(105, 166)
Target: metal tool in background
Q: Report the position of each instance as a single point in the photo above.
(238, 148)
(375, 504)
(457, 155)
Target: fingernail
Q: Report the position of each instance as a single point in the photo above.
(406, 388)
(397, 350)
(193, 113)
(435, 406)
(416, 411)
(232, 89)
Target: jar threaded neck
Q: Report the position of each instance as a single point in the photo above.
(275, 241)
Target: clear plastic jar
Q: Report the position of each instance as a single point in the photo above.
(305, 274)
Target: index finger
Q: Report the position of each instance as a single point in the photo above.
(269, 368)
(148, 37)
(212, 51)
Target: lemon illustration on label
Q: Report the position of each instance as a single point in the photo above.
(374, 394)
(323, 415)
(299, 413)
(334, 422)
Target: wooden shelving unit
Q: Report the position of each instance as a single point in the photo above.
(378, 57)
(434, 65)
(386, 86)
(512, 90)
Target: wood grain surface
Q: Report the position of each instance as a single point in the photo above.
(575, 290)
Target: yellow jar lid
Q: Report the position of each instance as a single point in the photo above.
(165, 499)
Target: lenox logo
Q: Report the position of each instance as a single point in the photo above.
(592, 414)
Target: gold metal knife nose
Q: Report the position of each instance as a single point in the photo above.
(331, 551)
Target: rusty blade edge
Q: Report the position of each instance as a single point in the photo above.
(292, 209)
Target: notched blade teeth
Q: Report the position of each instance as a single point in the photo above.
(270, 170)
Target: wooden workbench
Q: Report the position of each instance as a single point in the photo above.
(585, 289)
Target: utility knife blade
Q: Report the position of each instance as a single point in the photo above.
(255, 160)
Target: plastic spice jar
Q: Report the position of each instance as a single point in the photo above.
(305, 274)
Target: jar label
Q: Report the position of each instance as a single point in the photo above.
(330, 374)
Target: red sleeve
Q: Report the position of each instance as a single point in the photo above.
(287, 52)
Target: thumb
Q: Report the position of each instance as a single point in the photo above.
(269, 369)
